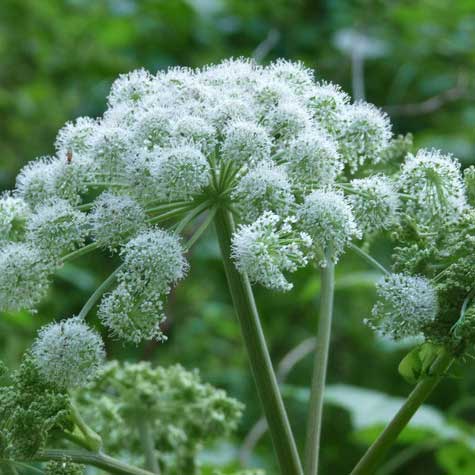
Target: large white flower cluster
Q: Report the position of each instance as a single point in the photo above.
(290, 156)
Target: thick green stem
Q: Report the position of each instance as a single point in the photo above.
(314, 427)
(98, 460)
(368, 464)
(148, 445)
(261, 365)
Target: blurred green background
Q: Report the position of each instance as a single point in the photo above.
(413, 58)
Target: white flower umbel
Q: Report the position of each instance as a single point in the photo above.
(327, 104)
(24, 276)
(74, 138)
(264, 188)
(133, 315)
(406, 304)
(153, 260)
(434, 186)
(267, 248)
(245, 143)
(14, 213)
(110, 148)
(327, 217)
(53, 177)
(375, 203)
(131, 87)
(57, 228)
(365, 132)
(293, 73)
(153, 127)
(68, 354)
(312, 160)
(287, 120)
(114, 219)
(197, 130)
(180, 172)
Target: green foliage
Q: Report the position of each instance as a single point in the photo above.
(63, 467)
(30, 411)
(183, 413)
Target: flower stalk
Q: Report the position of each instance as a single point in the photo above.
(261, 365)
(314, 428)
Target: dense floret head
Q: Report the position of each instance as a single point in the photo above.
(114, 219)
(245, 143)
(375, 203)
(364, 134)
(68, 353)
(327, 217)
(264, 188)
(434, 187)
(312, 160)
(153, 260)
(267, 248)
(14, 214)
(180, 172)
(24, 276)
(57, 228)
(406, 305)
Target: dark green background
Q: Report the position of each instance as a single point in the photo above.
(58, 59)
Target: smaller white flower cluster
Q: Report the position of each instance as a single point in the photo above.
(269, 247)
(327, 217)
(24, 276)
(114, 219)
(264, 188)
(14, 214)
(375, 203)
(312, 160)
(365, 133)
(406, 305)
(57, 228)
(68, 354)
(49, 178)
(434, 185)
(153, 262)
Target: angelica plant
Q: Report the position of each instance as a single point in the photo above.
(292, 174)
